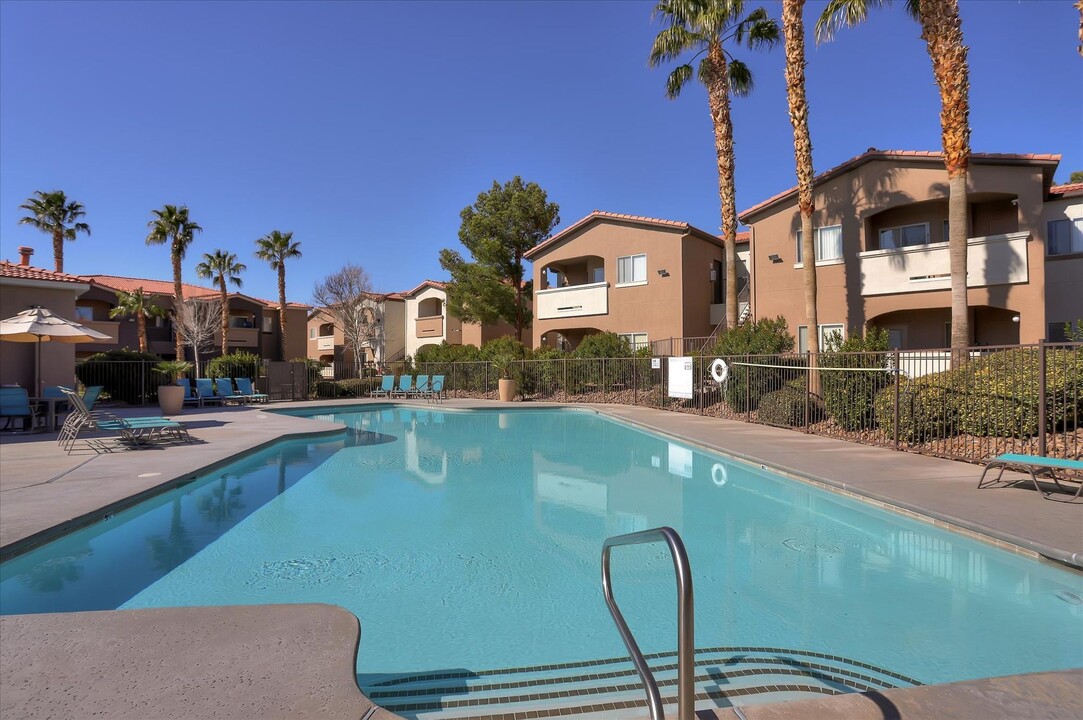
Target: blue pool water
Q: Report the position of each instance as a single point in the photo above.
(471, 540)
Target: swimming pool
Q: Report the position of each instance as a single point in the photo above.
(468, 544)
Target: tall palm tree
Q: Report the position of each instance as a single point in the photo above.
(793, 30)
(54, 214)
(172, 225)
(276, 248)
(942, 31)
(704, 27)
(222, 267)
(136, 304)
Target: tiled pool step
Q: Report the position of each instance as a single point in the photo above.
(724, 676)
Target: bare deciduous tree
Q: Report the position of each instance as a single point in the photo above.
(197, 321)
(348, 298)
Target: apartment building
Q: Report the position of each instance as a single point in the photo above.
(428, 321)
(882, 254)
(643, 278)
(387, 333)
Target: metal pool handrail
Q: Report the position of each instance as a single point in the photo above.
(686, 688)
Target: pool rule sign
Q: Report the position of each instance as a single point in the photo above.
(680, 377)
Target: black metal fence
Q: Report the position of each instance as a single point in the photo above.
(135, 382)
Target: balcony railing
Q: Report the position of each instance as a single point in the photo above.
(572, 301)
(427, 327)
(239, 337)
(991, 260)
(325, 343)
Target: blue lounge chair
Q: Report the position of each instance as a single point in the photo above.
(205, 388)
(406, 385)
(224, 389)
(1030, 464)
(15, 404)
(244, 387)
(191, 397)
(90, 396)
(139, 431)
(387, 384)
(53, 391)
(436, 388)
(421, 386)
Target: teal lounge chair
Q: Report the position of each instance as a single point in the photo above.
(421, 387)
(15, 404)
(90, 396)
(205, 388)
(53, 391)
(436, 388)
(387, 384)
(406, 385)
(139, 431)
(244, 387)
(1030, 464)
(224, 390)
(191, 397)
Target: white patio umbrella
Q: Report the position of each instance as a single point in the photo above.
(40, 325)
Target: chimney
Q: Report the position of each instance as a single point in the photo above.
(24, 255)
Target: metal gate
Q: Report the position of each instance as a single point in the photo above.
(285, 380)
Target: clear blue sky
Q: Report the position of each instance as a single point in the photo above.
(366, 127)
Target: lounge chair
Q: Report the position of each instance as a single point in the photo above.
(244, 387)
(421, 387)
(139, 431)
(387, 384)
(406, 385)
(191, 397)
(224, 389)
(90, 396)
(15, 403)
(1033, 464)
(205, 388)
(436, 388)
(53, 391)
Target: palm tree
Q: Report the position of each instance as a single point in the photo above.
(277, 247)
(136, 304)
(172, 225)
(942, 31)
(793, 29)
(222, 267)
(705, 27)
(54, 214)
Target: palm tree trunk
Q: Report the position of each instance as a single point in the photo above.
(225, 316)
(942, 30)
(718, 99)
(282, 308)
(793, 26)
(178, 303)
(58, 248)
(141, 325)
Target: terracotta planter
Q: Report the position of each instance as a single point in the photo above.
(170, 399)
(507, 390)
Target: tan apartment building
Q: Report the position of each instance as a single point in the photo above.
(643, 278)
(23, 286)
(253, 322)
(387, 341)
(429, 323)
(882, 255)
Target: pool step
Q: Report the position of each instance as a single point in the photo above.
(602, 688)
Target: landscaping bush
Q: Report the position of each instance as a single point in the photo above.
(125, 375)
(354, 387)
(927, 408)
(503, 346)
(771, 342)
(786, 407)
(236, 364)
(849, 397)
(603, 345)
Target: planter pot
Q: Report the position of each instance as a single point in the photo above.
(507, 390)
(171, 399)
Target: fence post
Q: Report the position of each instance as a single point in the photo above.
(808, 389)
(1042, 399)
(635, 382)
(748, 390)
(143, 394)
(603, 380)
(564, 370)
(898, 375)
(486, 391)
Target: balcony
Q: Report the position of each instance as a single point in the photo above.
(109, 327)
(239, 337)
(572, 301)
(991, 260)
(325, 343)
(427, 327)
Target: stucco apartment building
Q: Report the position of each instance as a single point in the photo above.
(882, 255)
(387, 341)
(643, 278)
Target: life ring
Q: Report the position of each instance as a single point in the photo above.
(719, 474)
(720, 371)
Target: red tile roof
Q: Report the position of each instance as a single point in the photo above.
(1066, 190)
(904, 155)
(10, 269)
(603, 215)
(424, 284)
(165, 287)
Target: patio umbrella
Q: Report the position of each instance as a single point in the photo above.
(40, 325)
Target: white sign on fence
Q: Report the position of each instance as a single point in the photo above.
(656, 363)
(680, 377)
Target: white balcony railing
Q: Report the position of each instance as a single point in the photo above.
(572, 301)
(991, 260)
(325, 343)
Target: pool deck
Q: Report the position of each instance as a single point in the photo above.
(44, 492)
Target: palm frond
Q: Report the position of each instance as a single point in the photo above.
(913, 9)
(677, 80)
(758, 30)
(842, 13)
(740, 78)
(671, 43)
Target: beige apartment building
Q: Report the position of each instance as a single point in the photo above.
(428, 321)
(643, 278)
(387, 336)
(882, 255)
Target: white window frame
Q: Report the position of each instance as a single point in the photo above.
(1075, 236)
(899, 229)
(633, 343)
(596, 272)
(632, 260)
(837, 260)
(268, 324)
(825, 330)
(312, 333)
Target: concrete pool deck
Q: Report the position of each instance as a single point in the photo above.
(44, 492)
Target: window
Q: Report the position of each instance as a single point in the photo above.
(718, 282)
(906, 236)
(312, 333)
(631, 269)
(635, 340)
(1057, 332)
(268, 324)
(1065, 236)
(945, 236)
(84, 313)
(598, 275)
(828, 243)
(826, 333)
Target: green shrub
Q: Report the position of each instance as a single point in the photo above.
(125, 375)
(786, 407)
(770, 342)
(503, 346)
(849, 397)
(236, 364)
(927, 408)
(603, 345)
(355, 387)
(758, 337)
